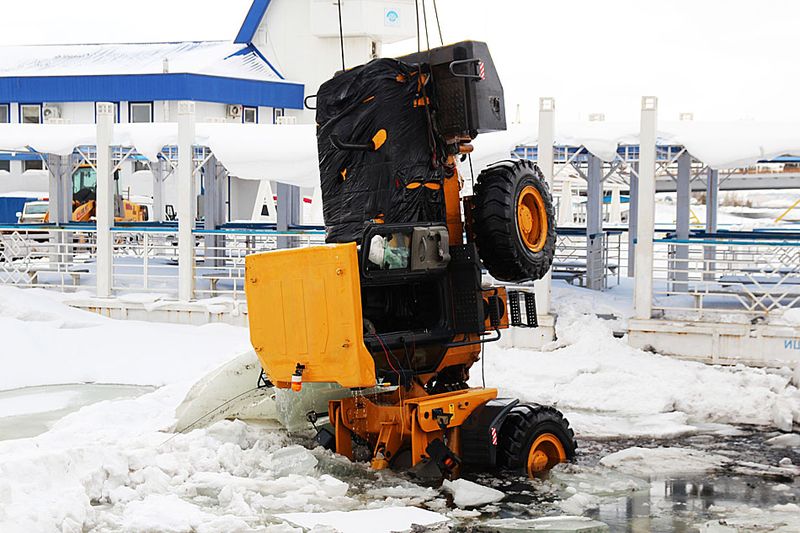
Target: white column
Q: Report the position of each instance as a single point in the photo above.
(157, 167)
(105, 198)
(186, 200)
(547, 110)
(643, 278)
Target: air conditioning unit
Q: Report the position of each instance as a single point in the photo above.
(234, 111)
(51, 112)
(286, 119)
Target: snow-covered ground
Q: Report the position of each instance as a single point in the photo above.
(116, 465)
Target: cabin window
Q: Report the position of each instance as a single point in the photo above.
(5, 114)
(277, 113)
(250, 115)
(141, 112)
(32, 164)
(30, 113)
(5, 165)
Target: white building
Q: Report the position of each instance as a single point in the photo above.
(244, 80)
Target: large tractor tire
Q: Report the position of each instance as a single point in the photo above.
(535, 438)
(513, 221)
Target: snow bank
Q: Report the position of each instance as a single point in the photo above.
(47, 342)
(468, 494)
(614, 389)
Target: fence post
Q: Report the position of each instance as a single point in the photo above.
(595, 265)
(105, 199)
(187, 204)
(544, 158)
(643, 279)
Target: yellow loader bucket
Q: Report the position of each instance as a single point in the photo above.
(304, 308)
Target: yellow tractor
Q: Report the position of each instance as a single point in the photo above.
(394, 307)
(84, 199)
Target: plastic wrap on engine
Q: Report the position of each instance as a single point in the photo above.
(401, 181)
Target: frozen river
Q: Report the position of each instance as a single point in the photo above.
(30, 411)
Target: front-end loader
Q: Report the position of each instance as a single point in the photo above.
(395, 307)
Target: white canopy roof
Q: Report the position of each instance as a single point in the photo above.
(717, 144)
(288, 153)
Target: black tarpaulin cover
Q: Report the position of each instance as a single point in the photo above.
(401, 181)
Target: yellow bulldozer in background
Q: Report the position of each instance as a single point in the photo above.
(395, 307)
(84, 199)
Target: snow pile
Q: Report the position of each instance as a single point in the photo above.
(46, 342)
(468, 494)
(609, 388)
(663, 461)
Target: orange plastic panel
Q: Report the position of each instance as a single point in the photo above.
(304, 306)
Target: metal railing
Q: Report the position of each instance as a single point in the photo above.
(145, 259)
(219, 262)
(726, 277)
(574, 262)
(48, 256)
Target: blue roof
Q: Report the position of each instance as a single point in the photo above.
(148, 87)
(251, 21)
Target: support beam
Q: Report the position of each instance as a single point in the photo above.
(547, 111)
(633, 218)
(712, 209)
(595, 254)
(105, 199)
(680, 270)
(643, 282)
(158, 168)
(59, 189)
(213, 210)
(289, 210)
(187, 203)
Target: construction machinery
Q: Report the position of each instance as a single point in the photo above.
(395, 307)
(84, 199)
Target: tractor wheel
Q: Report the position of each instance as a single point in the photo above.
(535, 438)
(514, 222)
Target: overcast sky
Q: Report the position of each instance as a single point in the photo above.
(721, 59)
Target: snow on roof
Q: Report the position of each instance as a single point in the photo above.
(719, 145)
(214, 58)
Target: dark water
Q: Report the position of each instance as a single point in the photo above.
(675, 502)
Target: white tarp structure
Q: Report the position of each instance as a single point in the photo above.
(285, 153)
(719, 145)
(288, 153)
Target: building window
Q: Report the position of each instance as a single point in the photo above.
(250, 115)
(276, 114)
(30, 114)
(140, 112)
(139, 166)
(5, 164)
(32, 164)
(5, 113)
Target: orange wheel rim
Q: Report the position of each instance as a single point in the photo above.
(546, 452)
(532, 218)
